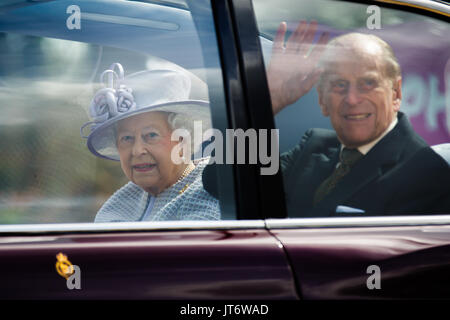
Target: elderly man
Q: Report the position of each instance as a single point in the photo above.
(373, 163)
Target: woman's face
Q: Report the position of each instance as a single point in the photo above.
(144, 146)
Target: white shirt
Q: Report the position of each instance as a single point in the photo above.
(366, 148)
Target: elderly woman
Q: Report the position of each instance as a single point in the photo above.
(133, 121)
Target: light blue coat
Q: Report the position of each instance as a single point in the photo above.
(130, 202)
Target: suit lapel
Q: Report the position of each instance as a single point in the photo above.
(324, 164)
(318, 167)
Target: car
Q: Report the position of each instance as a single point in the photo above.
(52, 56)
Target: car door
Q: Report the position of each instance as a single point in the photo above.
(234, 260)
(52, 55)
(351, 255)
(368, 258)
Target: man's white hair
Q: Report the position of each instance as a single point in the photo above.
(354, 41)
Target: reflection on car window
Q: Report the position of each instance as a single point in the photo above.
(130, 77)
(363, 98)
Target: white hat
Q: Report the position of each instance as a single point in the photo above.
(145, 91)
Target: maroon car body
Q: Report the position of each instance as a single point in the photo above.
(197, 264)
(299, 259)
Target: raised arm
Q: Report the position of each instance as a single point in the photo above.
(293, 68)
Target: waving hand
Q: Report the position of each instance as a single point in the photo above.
(293, 69)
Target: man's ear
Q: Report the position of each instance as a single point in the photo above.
(323, 108)
(397, 93)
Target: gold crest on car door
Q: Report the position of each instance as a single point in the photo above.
(64, 266)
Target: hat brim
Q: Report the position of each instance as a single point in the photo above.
(101, 140)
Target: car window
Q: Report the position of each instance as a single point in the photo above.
(76, 81)
(358, 98)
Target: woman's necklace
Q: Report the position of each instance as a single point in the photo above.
(189, 168)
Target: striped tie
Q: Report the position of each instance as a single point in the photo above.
(348, 158)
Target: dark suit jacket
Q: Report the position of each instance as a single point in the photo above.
(401, 174)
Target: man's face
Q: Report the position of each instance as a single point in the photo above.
(357, 96)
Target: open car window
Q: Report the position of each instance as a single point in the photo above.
(395, 171)
(53, 58)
